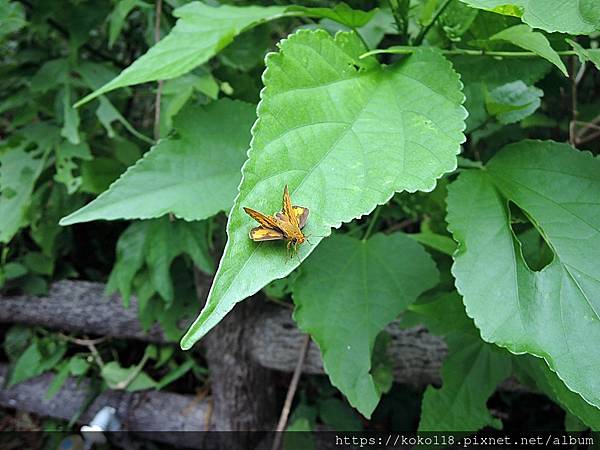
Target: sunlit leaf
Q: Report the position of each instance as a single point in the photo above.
(345, 134)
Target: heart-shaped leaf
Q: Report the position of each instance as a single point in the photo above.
(366, 284)
(553, 313)
(345, 134)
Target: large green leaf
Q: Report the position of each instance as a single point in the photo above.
(344, 133)
(347, 292)
(200, 33)
(523, 36)
(574, 17)
(553, 313)
(193, 176)
(470, 373)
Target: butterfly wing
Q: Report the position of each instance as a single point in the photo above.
(288, 209)
(265, 234)
(265, 221)
(300, 212)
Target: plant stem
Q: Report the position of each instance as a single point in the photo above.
(160, 82)
(400, 13)
(426, 28)
(407, 50)
(134, 373)
(372, 222)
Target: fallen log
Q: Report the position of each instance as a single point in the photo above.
(81, 306)
(166, 413)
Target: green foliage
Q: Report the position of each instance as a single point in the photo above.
(513, 102)
(482, 75)
(551, 313)
(470, 373)
(523, 36)
(577, 17)
(200, 33)
(129, 378)
(365, 283)
(355, 136)
(155, 244)
(586, 54)
(326, 149)
(203, 162)
(20, 166)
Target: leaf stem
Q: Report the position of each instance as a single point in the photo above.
(407, 50)
(134, 373)
(419, 39)
(372, 222)
(160, 82)
(400, 13)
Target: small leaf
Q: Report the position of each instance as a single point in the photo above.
(340, 13)
(344, 133)
(574, 17)
(366, 284)
(175, 374)
(27, 366)
(60, 378)
(193, 176)
(586, 54)
(553, 313)
(200, 33)
(513, 102)
(118, 16)
(523, 36)
(78, 366)
(115, 376)
(481, 75)
(439, 242)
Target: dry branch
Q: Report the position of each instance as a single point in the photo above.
(81, 306)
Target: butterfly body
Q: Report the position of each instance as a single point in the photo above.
(285, 225)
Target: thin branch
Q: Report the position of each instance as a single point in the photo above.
(372, 221)
(134, 373)
(574, 112)
(588, 126)
(160, 82)
(83, 342)
(419, 39)
(407, 50)
(287, 406)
